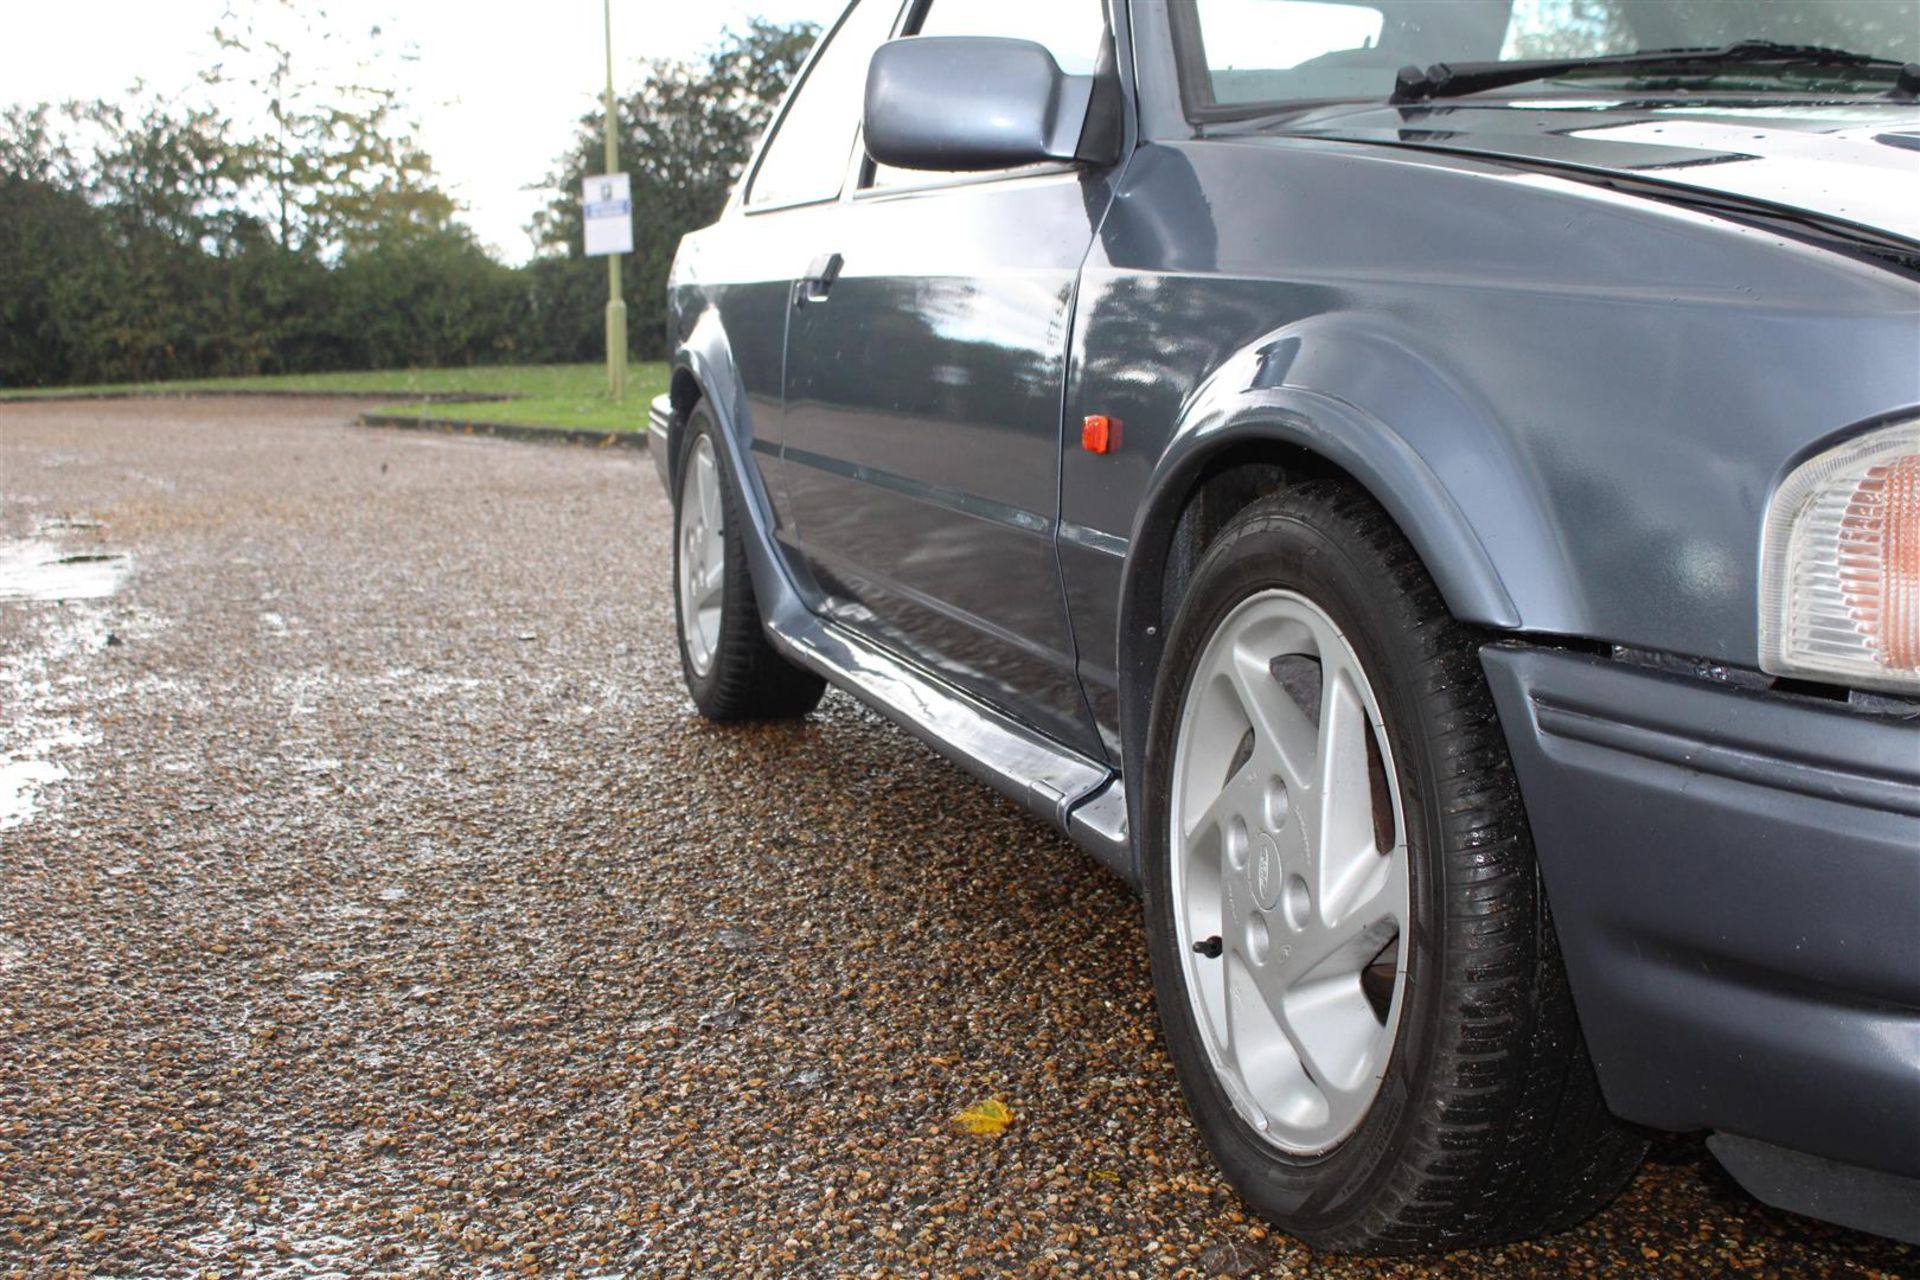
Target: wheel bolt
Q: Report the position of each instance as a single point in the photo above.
(1279, 804)
(1298, 904)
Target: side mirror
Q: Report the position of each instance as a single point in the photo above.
(980, 102)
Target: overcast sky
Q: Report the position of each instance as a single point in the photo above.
(496, 88)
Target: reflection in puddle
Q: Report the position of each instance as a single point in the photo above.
(38, 724)
(34, 732)
(35, 570)
(25, 772)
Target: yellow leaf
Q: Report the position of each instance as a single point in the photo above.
(985, 1118)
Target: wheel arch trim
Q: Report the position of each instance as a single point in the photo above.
(703, 370)
(1227, 416)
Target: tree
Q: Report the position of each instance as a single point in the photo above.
(685, 134)
(156, 237)
(53, 247)
(162, 166)
(284, 220)
(154, 255)
(32, 146)
(337, 169)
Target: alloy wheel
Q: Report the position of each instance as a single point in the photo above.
(703, 554)
(1290, 872)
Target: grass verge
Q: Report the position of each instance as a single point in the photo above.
(547, 395)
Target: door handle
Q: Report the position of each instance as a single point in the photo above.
(815, 285)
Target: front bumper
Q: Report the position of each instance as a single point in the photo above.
(1735, 882)
(660, 438)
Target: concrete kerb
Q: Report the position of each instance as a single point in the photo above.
(508, 430)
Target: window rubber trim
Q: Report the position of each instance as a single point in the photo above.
(747, 207)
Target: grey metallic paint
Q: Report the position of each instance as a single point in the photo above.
(922, 432)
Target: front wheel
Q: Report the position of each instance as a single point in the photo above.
(1351, 950)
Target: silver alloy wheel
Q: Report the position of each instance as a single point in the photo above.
(703, 554)
(1290, 872)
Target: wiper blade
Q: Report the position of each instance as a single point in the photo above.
(1452, 80)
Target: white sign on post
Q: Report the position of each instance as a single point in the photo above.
(608, 203)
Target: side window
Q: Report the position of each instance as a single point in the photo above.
(1073, 31)
(806, 159)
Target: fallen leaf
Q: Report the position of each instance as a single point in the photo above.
(985, 1119)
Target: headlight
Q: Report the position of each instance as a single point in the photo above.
(1840, 565)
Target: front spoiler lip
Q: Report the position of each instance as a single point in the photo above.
(1740, 749)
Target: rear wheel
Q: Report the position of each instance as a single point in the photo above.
(731, 669)
(1351, 949)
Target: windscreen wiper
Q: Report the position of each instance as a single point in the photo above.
(1451, 80)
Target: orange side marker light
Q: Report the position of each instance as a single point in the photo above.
(1100, 434)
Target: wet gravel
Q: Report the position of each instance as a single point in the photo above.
(382, 907)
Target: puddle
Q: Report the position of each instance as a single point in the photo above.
(26, 771)
(46, 681)
(20, 783)
(31, 569)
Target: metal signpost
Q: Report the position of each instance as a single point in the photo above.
(607, 202)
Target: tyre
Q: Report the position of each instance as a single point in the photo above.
(1352, 954)
(731, 669)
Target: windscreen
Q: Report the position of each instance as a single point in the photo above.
(1249, 52)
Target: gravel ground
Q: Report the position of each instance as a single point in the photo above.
(373, 902)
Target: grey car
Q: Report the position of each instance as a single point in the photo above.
(1427, 490)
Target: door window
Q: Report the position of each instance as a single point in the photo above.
(1073, 31)
(806, 160)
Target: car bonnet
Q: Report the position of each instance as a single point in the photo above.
(1854, 163)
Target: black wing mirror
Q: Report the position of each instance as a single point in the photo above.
(982, 102)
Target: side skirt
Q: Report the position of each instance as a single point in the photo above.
(1082, 798)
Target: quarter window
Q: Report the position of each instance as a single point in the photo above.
(806, 160)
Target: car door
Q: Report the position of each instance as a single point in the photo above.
(745, 262)
(925, 371)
